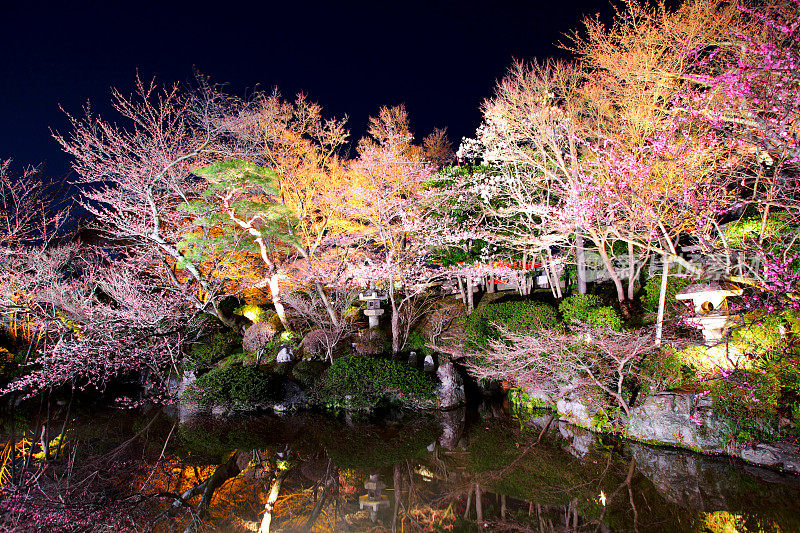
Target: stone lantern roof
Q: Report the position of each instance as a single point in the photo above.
(709, 297)
(710, 308)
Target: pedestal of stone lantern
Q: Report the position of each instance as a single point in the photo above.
(710, 308)
(373, 500)
(373, 299)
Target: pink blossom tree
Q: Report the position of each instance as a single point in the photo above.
(745, 94)
(134, 175)
(391, 171)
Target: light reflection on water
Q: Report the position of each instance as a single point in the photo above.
(459, 470)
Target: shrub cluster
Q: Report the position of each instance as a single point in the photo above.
(652, 289)
(589, 309)
(306, 372)
(749, 399)
(363, 382)
(219, 345)
(524, 315)
(661, 370)
(579, 306)
(232, 385)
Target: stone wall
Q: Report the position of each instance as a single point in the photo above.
(679, 419)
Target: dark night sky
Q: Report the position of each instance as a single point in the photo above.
(440, 58)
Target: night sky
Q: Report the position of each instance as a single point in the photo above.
(439, 58)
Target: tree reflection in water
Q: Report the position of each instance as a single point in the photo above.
(482, 470)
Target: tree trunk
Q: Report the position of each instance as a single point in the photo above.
(631, 272)
(461, 290)
(580, 255)
(397, 493)
(556, 281)
(470, 294)
(221, 474)
(478, 503)
(274, 289)
(395, 320)
(331, 479)
(522, 279)
(547, 273)
(274, 491)
(609, 267)
(327, 303)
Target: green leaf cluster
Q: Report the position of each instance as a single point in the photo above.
(652, 289)
(258, 193)
(521, 315)
(743, 232)
(605, 317)
(749, 399)
(218, 346)
(231, 385)
(578, 306)
(661, 370)
(364, 382)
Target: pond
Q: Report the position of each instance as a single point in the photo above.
(477, 469)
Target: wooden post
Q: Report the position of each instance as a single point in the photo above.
(478, 503)
(662, 295)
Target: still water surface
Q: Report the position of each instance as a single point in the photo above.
(481, 469)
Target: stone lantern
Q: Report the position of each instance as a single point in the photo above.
(374, 499)
(373, 299)
(710, 308)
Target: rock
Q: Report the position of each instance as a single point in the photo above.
(576, 410)
(452, 422)
(176, 386)
(541, 421)
(450, 392)
(675, 418)
(539, 398)
(291, 397)
(691, 482)
(285, 354)
(782, 456)
(582, 441)
(428, 365)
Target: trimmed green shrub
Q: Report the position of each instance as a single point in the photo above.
(524, 315)
(652, 288)
(363, 382)
(416, 343)
(307, 372)
(589, 309)
(661, 370)
(221, 344)
(762, 336)
(605, 317)
(255, 313)
(579, 306)
(232, 384)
